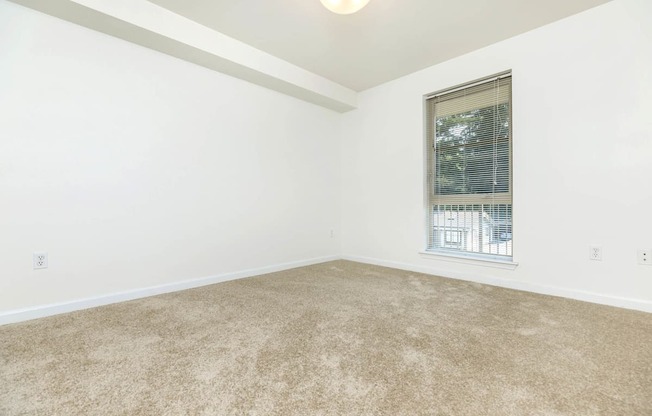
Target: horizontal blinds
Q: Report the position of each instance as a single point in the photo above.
(479, 96)
(469, 168)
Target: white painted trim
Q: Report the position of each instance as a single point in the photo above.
(475, 261)
(627, 303)
(152, 26)
(20, 315)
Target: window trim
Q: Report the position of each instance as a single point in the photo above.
(486, 260)
(453, 255)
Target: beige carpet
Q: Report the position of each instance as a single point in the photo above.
(338, 338)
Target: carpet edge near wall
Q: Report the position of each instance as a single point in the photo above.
(640, 305)
(42, 311)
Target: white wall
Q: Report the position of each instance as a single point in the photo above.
(134, 169)
(582, 124)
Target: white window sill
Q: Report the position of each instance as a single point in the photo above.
(475, 261)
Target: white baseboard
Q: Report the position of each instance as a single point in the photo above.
(627, 303)
(75, 305)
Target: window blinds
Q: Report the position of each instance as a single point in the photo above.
(469, 168)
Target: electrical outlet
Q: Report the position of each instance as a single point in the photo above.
(40, 260)
(332, 233)
(595, 253)
(645, 257)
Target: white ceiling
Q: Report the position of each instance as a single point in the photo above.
(386, 40)
(299, 48)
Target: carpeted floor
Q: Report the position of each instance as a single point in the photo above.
(338, 338)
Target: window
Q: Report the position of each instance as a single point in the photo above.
(469, 169)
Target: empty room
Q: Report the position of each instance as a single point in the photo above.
(326, 207)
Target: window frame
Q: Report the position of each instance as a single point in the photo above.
(429, 172)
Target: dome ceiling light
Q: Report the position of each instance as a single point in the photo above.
(344, 6)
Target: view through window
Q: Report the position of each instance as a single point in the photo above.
(469, 169)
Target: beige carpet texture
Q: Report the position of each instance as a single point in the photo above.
(338, 338)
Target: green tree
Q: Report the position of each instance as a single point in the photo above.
(472, 151)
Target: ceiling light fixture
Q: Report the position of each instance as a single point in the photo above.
(344, 6)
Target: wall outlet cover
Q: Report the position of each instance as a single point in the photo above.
(595, 253)
(40, 260)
